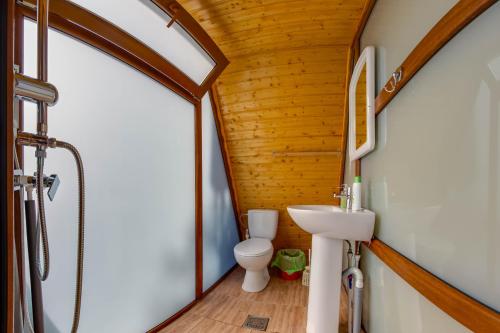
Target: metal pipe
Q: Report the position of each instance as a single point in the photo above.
(40, 153)
(42, 47)
(355, 301)
(35, 140)
(33, 90)
(358, 305)
(41, 142)
(26, 321)
(36, 283)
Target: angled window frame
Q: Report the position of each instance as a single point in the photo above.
(76, 21)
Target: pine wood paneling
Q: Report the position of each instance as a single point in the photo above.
(282, 92)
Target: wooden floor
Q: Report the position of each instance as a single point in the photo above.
(225, 309)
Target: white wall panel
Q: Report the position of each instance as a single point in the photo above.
(395, 27)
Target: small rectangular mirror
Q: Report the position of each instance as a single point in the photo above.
(362, 105)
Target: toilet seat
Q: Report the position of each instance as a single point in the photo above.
(254, 247)
(255, 254)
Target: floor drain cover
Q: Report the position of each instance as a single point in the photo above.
(256, 323)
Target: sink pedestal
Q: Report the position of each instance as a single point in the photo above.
(329, 225)
(325, 283)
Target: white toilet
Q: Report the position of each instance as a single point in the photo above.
(255, 253)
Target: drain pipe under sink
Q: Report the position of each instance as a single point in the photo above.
(355, 300)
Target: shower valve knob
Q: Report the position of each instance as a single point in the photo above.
(52, 183)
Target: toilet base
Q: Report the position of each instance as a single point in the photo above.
(255, 281)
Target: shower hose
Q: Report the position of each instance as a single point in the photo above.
(81, 225)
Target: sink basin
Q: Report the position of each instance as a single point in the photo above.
(334, 222)
(330, 226)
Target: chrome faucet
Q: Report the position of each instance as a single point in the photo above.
(345, 193)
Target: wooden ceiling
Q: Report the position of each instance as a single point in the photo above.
(282, 98)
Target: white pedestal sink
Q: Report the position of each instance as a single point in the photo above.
(330, 226)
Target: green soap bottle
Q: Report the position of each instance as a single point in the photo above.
(343, 202)
(356, 194)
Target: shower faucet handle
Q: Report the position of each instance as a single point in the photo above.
(52, 183)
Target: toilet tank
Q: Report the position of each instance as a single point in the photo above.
(262, 223)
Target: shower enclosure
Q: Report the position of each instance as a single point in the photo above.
(159, 218)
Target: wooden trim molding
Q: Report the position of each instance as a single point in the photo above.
(81, 23)
(345, 121)
(464, 309)
(173, 318)
(190, 25)
(219, 281)
(214, 100)
(352, 57)
(464, 12)
(178, 314)
(6, 167)
(19, 231)
(365, 15)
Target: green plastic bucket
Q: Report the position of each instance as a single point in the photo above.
(290, 261)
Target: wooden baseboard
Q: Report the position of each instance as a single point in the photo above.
(188, 307)
(173, 318)
(219, 281)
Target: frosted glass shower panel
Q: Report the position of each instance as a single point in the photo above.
(136, 139)
(219, 226)
(173, 43)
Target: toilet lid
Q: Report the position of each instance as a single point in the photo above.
(253, 247)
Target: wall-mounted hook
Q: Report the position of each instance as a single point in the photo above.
(397, 76)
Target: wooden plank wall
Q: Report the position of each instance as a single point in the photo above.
(282, 93)
(361, 109)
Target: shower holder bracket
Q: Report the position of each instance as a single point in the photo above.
(20, 179)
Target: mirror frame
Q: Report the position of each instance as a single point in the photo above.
(367, 58)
